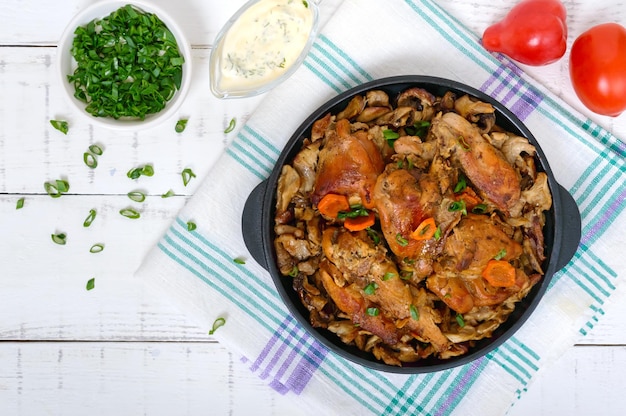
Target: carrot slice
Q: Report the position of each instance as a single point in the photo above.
(332, 204)
(360, 223)
(499, 273)
(426, 230)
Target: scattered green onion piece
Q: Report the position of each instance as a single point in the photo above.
(463, 143)
(390, 134)
(239, 260)
(191, 226)
(134, 173)
(147, 170)
(460, 185)
(90, 160)
(231, 125)
(372, 311)
(219, 322)
(414, 312)
(356, 211)
(480, 209)
(96, 150)
(91, 283)
(294, 272)
(60, 125)
(180, 125)
(62, 186)
(19, 204)
(460, 320)
(370, 289)
(90, 218)
(458, 206)
(389, 276)
(128, 64)
(406, 275)
(137, 196)
(437, 235)
(168, 194)
(373, 234)
(130, 213)
(187, 174)
(500, 255)
(59, 239)
(306, 4)
(401, 240)
(96, 248)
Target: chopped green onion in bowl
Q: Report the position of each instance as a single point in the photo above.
(124, 64)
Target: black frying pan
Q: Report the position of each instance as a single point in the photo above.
(561, 232)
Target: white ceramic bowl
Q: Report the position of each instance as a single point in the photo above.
(66, 63)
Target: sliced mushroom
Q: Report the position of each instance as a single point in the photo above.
(353, 109)
(419, 99)
(475, 111)
(377, 98)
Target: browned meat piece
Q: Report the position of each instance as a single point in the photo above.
(348, 165)
(457, 279)
(367, 264)
(403, 202)
(483, 164)
(351, 302)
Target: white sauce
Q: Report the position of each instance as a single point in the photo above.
(264, 42)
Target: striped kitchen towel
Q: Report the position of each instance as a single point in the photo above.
(197, 271)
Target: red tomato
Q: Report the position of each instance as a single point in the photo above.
(598, 69)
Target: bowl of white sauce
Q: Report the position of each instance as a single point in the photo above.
(261, 45)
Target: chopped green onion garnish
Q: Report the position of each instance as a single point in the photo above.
(437, 235)
(187, 174)
(180, 125)
(294, 272)
(373, 234)
(146, 170)
(168, 194)
(460, 320)
(218, 323)
(389, 275)
(500, 255)
(372, 311)
(419, 128)
(401, 240)
(90, 160)
(19, 204)
(59, 238)
(57, 189)
(480, 209)
(96, 248)
(414, 312)
(90, 218)
(390, 136)
(231, 125)
(91, 283)
(370, 289)
(305, 3)
(128, 64)
(356, 211)
(239, 260)
(191, 226)
(60, 125)
(96, 150)
(458, 206)
(464, 145)
(461, 184)
(137, 196)
(130, 213)
(406, 275)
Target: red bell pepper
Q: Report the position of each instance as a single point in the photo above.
(534, 32)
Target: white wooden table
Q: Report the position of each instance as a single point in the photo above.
(116, 350)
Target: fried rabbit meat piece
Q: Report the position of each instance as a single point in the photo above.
(483, 164)
(348, 165)
(367, 264)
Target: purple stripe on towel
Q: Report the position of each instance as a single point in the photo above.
(288, 343)
(607, 216)
(506, 87)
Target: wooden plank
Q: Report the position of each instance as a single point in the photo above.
(105, 378)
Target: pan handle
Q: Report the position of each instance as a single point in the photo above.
(571, 228)
(252, 224)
